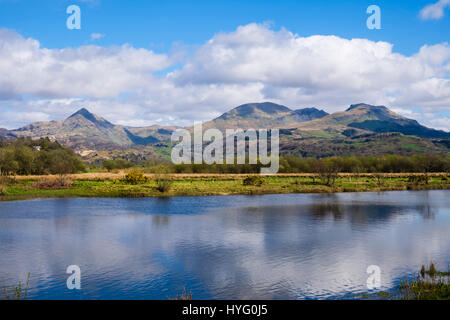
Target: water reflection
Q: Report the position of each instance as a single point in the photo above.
(322, 211)
(265, 247)
(160, 221)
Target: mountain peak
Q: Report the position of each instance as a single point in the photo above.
(311, 111)
(307, 114)
(267, 107)
(365, 106)
(86, 114)
(251, 110)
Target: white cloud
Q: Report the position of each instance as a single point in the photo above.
(407, 113)
(93, 71)
(96, 36)
(326, 71)
(439, 123)
(434, 11)
(253, 63)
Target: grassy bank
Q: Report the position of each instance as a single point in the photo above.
(115, 184)
(427, 284)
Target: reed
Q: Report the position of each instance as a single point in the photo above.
(184, 295)
(3, 190)
(429, 284)
(18, 292)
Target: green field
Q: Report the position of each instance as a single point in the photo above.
(113, 185)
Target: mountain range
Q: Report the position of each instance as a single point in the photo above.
(362, 129)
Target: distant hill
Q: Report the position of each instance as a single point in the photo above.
(6, 134)
(3, 132)
(155, 132)
(84, 130)
(364, 118)
(308, 114)
(374, 144)
(380, 119)
(362, 129)
(263, 115)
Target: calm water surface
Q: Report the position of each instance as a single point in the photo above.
(295, 246)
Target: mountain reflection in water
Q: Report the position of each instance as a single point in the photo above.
(294, 246)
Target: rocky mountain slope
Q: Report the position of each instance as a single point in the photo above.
(84, 130)
(4, 134)
(361, 129)
(363, 118)
(263, 115)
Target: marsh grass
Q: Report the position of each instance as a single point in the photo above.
(183, 296)
(433, 272)
(429, 284)
(163, 183)
(421, 289)
(3, 190)
(53, 183)
(253, 181)
(18, 292)
(5, 182)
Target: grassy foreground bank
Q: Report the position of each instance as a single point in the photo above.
(427, 284)
(116, 185)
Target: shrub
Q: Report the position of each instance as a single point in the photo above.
(379, 178)
(135, 177)
(328, 170)
(252, 181)
(3, 190)
(117, 164)
(417, 179)
(163, 184)
(7, 180)
(53, 183)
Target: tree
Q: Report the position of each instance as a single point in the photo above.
(64, 162)
(328, 170)
(25, 158)
(8, 163)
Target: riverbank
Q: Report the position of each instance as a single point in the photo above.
(427, 284)
(114, 185)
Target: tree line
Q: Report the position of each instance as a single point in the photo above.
(24, 156)
(292, 164)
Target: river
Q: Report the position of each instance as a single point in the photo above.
(293, 246)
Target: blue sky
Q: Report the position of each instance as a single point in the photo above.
(160, 24)
(181, 62)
